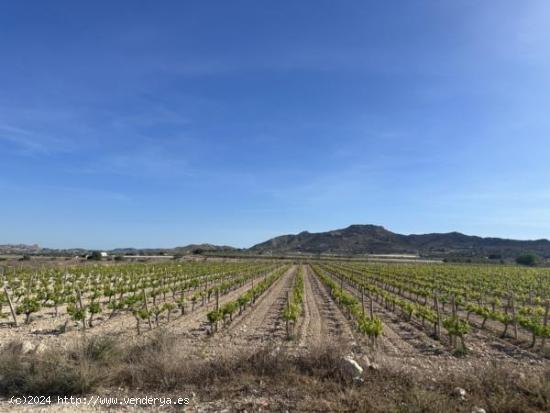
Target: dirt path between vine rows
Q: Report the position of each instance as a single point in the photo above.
(323, 321)
(261, 323)
(192, 325)
(481, 341)
(46, 325)
(392, 342)
(493, 330)
(400, 338)
(192, 328)
(409, 341)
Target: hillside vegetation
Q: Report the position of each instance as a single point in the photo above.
(373, 239)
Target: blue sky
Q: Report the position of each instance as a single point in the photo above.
(156, 124)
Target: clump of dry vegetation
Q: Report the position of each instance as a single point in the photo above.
(52, 372)
(312, 381)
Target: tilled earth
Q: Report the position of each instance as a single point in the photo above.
(404, 346)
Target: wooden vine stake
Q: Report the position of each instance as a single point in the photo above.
(363, 300)
(513, 306)
(147, 309)
(218, 306)
(81, 309)
(371, 307)
(288, 309)
(11, 306)
(453, 310)
(438, 322)
(545, 322)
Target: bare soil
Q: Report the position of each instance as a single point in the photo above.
(406, 348)
(323, 320)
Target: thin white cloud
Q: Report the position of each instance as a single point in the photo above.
(85, 192)
(147, 160)
(36, 137)
(22, 138)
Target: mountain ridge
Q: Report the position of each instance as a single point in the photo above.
(180, 250)
(358, 239)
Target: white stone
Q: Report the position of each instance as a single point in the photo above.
(352, 368)
(40, 348)
(459, 392)
(26, 347)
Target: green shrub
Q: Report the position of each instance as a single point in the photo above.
(528, 259)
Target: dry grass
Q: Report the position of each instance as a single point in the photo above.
(503, 390)
(50, 373)
(160, 364)
(308, 382)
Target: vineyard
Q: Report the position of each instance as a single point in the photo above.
(405, 317)
(443, 302)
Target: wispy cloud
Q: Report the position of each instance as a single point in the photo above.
(151, 163)
(23, 139)
(92, 193)
(518, 32)
(154, 113)
(46, 131)
(529, 196)
(147, 160)
(82, 192)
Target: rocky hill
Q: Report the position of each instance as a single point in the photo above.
(373, 239)
(19, 249)
(353, 240)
